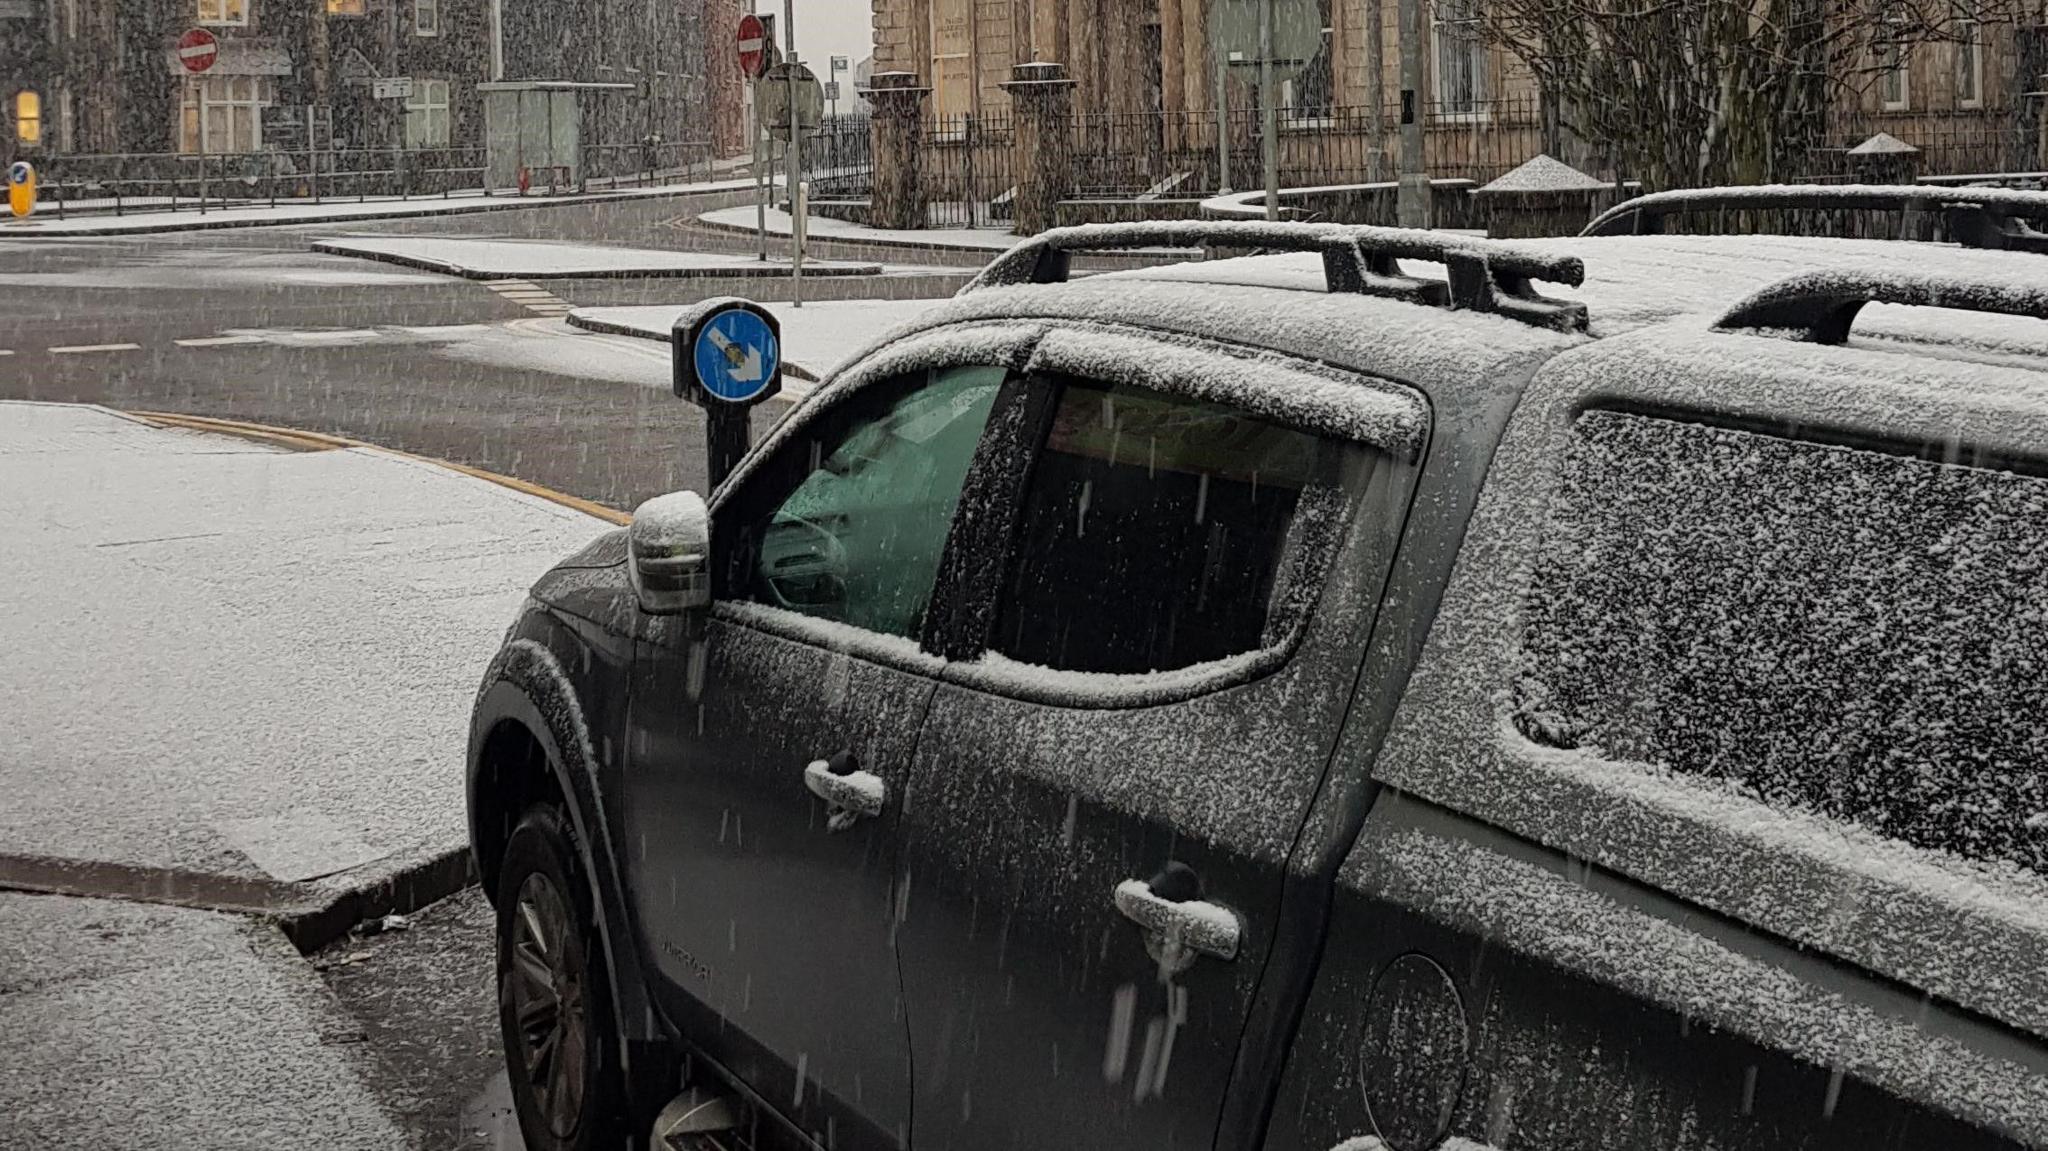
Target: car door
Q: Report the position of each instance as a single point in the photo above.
(1110, 779)
(772, 735)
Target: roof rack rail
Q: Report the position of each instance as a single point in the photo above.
(1994, 218)
(1819, 307)
(1484, 275)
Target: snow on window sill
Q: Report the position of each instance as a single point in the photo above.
(1307, 123)
(1000, 675)
(1475, 117)
(846, 639)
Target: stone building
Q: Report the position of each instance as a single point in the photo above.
(1153, 56)
(101, 77)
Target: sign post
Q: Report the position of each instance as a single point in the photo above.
(197, 50)
(792, 104)
(753, 51)
(727, 358)
(1279, 38)
(21, 188)
(796, 158)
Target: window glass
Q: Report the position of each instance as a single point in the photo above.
(223, 12)
(858, 536)
(426, 114)
(1460, 58)
(1151, 532)
(1849, 633)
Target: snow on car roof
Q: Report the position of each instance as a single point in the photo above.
(1430, 348)
(1634, 282)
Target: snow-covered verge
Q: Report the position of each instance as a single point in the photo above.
(226, 658)
(497, 259)
(46, 222)
(815, 338)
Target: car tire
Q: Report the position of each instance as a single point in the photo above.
(554, 1002)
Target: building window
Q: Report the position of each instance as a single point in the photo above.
(1895, 89)
(426, 17)
(67, 122)
(28, 117)
(1894, 62)
(344, 7)
(233, 12)
(1308, 95)
(71, 19)
(426, 114)
(223, 113)
(1969, 60)
(1460, 58)
(952, 64)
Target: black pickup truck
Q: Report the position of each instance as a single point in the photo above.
(1391, 690)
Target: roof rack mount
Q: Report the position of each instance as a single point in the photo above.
(1484, 275)
(1820, 307)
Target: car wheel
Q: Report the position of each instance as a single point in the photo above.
(554, 1004)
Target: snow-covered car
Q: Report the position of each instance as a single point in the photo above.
(1587, 693)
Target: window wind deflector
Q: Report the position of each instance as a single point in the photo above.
(1484, 275)
(1819, 307)
(1994, 218)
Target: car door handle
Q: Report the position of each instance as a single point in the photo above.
(1177, 930)
(849, 793)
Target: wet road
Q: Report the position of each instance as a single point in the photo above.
(249, 324)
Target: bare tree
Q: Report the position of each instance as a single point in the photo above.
(1682, 93)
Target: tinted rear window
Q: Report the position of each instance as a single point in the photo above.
(1151, 533)
(1844, 631)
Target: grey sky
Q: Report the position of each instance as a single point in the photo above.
(827, 28)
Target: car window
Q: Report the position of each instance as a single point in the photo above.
(1151, 533)
(1850, 633)
(857, 513)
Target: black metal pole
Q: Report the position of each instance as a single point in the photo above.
(728, 436)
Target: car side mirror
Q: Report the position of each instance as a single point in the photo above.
(670, 545)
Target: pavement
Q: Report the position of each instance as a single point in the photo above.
(477, 259)
(293, 639)
(137, 1025)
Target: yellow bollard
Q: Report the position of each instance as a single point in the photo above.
(21, 188)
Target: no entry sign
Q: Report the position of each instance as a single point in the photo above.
(753, 43)
(197, 49)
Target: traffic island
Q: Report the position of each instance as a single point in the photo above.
(475, 259)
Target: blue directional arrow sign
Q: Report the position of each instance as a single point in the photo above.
(737, 356)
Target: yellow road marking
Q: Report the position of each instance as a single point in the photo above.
(320, 442)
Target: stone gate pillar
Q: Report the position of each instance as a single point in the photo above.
(897, 137)
(1041, 152)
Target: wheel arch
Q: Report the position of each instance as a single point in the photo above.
(529, 743)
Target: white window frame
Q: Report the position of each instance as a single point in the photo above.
(426, 17)
(1894, 63)
(1290, 87)
(1895, 83)
(241, 99)
(423, 109)
(1969, 61)
(1441, 42)
(226, 13)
